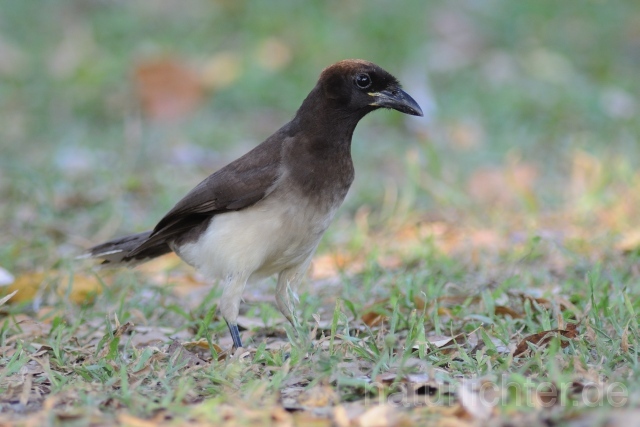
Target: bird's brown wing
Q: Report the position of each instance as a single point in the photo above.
(238, 185)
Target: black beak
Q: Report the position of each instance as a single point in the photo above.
(396, 99)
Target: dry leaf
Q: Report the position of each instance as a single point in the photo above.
(544, 337)
(538, 300)
(162, 264)
(445, 312)
(442, 341)
(182, 356)
(387, 378)
(502, 310)
(280, 417)
(81, 288)
(318, 396)
(167, 89)
(503, 186)
(559, 302)
(332, 265)
(201, 349)
(624, 341)
(131, 421)
(370, 316)
(122, 329)
(28, 285)
(379, 416)
(453, 421)
(630, 241)
(341, 417)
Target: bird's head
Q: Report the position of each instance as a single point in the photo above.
(362, 86)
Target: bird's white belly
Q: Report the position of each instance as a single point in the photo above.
(258, 241)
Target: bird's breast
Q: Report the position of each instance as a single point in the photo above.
(324, 180)
(279, 232)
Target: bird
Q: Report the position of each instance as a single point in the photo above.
(265, 213)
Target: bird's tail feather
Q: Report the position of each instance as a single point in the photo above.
(116, 252)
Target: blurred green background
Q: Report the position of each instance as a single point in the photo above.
(110, 111)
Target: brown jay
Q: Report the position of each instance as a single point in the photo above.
(264, 213)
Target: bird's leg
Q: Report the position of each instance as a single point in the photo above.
(235, 335)
(288, 281)
(230, 304)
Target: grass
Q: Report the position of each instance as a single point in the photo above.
(510, 210)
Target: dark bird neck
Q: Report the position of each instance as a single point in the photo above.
(320, 159)
(326, 119)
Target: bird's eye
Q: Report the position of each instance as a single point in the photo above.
(363, 81)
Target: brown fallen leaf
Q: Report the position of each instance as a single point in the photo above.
(182, 356)
(558, 301)
(132, 421)
(544, 337)
(445, 312)
(454, 421)
(167, 89)
(318, 396)
(624, 340)
(503, 186)
(345, 414)
(539, 300)
(201, 349)
(502, 310)
(81, 288)
(332, 265)
(162, 265)
(446, 344)
(122, 329)
(445, 301)
(341, 417)
(379, 416)
(630, 241)
(370, 316)
(27, 286)
(26, 389)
